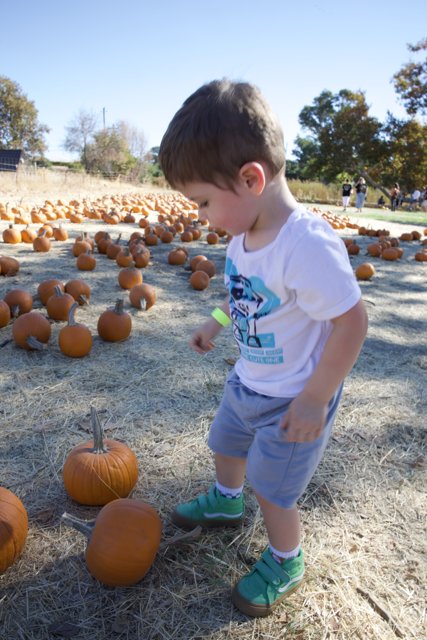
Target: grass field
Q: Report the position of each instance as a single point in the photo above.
(364, 512)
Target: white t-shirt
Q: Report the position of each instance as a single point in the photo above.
(282, 298)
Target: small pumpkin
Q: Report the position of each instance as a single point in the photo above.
(142, 296)
(207, 266)
(124, 258)
(5, 314)
(86, 261)
(19, 301)
(177, 257)
(113, 248)
(60, 234)
(129, 277)
(47, 289)
(100, 470)
(42, 243)
(9, 266)
(390, 254)
(59, 304)
(80, 290)
(31, 330)
(212, 237)
(421, 256)
(75, 339)
(365, 271)
(12, 235)
(115, 325)
(199, 280)
(13, 528)
(122, 542)
(28, 234)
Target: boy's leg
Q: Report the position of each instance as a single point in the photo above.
(230, 471)
(283, 525)
(280, 569)
(218, 507)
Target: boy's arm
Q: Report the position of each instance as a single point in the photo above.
(201, 338)
(307, 413)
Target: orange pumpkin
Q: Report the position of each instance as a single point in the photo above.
(31, 330)
(59, 304)
(199, 280)
(115, 325)
(75, 339)
(13, 528)
(80, 290)
(365, 271)
(122, 542)
(100, 470)
(142, 296)
(9, 266)
(5, 314)
(47, 289)
(129, 277)
(19, 301)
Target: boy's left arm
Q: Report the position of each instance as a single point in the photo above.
(306, 416)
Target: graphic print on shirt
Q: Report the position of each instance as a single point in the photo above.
(251, 300)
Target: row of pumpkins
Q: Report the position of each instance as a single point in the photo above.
(385, 247)
(124, 538)
(112, 209)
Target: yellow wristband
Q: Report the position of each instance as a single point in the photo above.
(221, 317)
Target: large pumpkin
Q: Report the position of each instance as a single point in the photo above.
(13, 528)
(98, 471)
(123, 541)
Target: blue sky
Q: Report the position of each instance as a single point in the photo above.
(139, 60)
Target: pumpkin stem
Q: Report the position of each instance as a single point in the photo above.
(83, 299)
(98, 436)
(119, 306)
(71, 313)
(58, 290)
(84, 526)
(35, 344)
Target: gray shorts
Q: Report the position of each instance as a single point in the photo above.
(247, 426)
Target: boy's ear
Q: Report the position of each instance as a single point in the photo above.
(253, 176)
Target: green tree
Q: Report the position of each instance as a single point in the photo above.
(406, 161)
(410, 82)
(109, 153)
(80, 133)
(19, 125)
(342, 136)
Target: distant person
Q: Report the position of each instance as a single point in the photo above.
(347, 190)
(361, 192)
(415, 198)
(395, 196)
(381, 201)
(423, 199)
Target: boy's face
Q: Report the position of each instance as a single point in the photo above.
(235, 211)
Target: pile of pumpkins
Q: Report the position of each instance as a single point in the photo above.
(124, 538)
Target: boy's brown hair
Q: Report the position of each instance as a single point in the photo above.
(219, 128)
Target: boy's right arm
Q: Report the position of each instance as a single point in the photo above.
(201, 339)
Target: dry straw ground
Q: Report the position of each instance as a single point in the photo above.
(363, 513)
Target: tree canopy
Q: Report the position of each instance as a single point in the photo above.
(19, 125)
(342, 135)
(410, 82)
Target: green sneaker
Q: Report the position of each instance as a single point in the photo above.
(210, 510)
(260, 591)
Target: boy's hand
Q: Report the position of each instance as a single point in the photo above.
(201, 339)
(305, 419)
